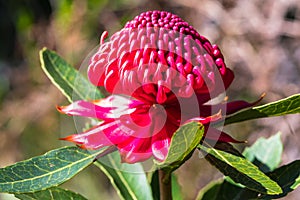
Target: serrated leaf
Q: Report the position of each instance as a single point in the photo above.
(289, 105)
(45, 171)
(265, 153)
(129, 180)
(66, 78)
(241, 171)
(183, 142)
(55, 193)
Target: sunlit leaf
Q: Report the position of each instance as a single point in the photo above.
(183, 142)
(296, 183)
(289, 105)
(66, 78)
(241, 171)
(287, 177)
(51, 194)
(45, 171)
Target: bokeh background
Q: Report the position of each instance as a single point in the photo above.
(260, 40)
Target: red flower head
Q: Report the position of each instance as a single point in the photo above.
(160, 72)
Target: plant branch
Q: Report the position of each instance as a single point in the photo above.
(165, 185)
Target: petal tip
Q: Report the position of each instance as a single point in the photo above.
(60, 109)
(70, 138)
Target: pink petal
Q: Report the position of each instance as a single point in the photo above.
(90, 139)
(160, 149)
(109, 108)
(86, 109)
(160, 145)
(138, 150)
(106, 134)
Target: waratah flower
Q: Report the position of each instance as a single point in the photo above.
(160, 73)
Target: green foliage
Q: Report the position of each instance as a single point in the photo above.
(42, 172)
(154, 182)
(265, 153)
(128, 179)
(287, 176)
(176, 189)
(54, 193)
(241, 171)
(211, 191)
(289, 105)
(67, 79)
(183, 142)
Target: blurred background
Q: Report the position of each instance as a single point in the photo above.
(260, 40)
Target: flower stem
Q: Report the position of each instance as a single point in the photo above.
(165, 185)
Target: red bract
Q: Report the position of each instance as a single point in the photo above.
(160, 72)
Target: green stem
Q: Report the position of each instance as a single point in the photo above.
(165, 185)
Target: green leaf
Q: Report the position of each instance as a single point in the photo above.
(289, 105)
(129, 180)
(176, 189)
(45, 171)
(261, 154)
(54, 193)
(210, 191)
(296, 183)
(227, 147)
(224, 190)
(241, 171)
(183, 143)
(288, 177)
(155, 185)
(265, 153)
(66, 78)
